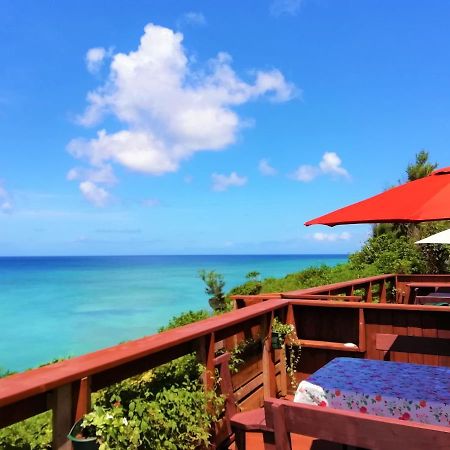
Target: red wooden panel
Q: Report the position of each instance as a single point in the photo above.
(360, 430)
(415, 329)
(400, 327)
(429, 330)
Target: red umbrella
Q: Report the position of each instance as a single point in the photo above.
(421, 200)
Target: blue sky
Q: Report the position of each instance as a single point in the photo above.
(168, 127)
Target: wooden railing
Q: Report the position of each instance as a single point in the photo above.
(330, 321)
(66, 387)
(371, 289)
(390, 288)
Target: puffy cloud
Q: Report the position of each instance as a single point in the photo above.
(266, 169)
(6, 205)
(330, 164)
(331, 237)
(285, 7)
(167, 110)
(223, 182)
(94, 194)
(95, 58)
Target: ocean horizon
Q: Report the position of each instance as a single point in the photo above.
(61, 306)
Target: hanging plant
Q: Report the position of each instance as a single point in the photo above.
(285, 337)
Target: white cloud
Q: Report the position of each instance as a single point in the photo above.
(223, 182)
(168, 110)
(6, 205)
(193, 18)
(330, 164)
(331, 237)
(95, 58)
(103, 174)
(266, 169)
(94, 194)
(306, 173)
(285, 7)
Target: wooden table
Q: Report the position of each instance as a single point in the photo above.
(405, 391)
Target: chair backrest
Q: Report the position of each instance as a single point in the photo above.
(350, 428)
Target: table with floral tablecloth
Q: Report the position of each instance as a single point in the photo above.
(383, 388)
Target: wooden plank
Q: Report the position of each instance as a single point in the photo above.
(205, 356)
(382, 293)
(81, 400)
(429, 330)
(351, 428)
(371, 318)
(443, 331)
(400, 327)
(251, 368)
(413, 344)
(269, 381)
(256, 400)
(62, 419)
(361, 330)
(414, 329)
(384, 325)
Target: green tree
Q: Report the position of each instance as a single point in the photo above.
(214, 288)
(421, 168)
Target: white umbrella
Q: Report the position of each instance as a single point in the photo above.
(439, 238)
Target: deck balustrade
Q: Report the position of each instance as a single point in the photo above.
(366, 318)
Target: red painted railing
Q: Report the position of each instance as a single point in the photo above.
(349, 314)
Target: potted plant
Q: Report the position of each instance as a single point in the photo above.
(285, 337)
(83, 437)
(279, 333)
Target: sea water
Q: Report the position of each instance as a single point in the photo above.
(55, 307)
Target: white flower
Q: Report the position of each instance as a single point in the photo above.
(125, 421)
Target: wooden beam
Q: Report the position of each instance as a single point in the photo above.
(413, 344)
(205, 356)
(81, 397)
(269, 380)
(62, 419)
(362, 331)
(352, 428)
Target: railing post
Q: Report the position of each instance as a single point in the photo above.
(61, 404)
(81, 397)
(383, 291)
(205, 355)
(362, 331)
(269, 381)
(369, 292)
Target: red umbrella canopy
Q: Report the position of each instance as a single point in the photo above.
(421, 200)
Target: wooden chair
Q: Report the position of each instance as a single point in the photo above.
(350, 428)
(239, 423)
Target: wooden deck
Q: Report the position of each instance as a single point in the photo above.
(367, 318)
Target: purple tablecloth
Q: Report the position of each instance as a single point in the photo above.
(383, 388)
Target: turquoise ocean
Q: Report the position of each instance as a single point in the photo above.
(55, 307)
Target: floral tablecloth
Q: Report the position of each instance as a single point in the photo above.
(382, 388)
